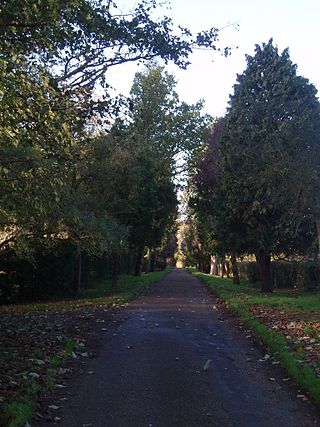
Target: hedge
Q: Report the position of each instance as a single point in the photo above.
(304, 275)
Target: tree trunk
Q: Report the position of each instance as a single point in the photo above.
(77, 271)
(147, 264)
(228, 270)
(212, 264)
(216, 266)
(223, 266)
(318, 234)
(264, 265)
(235, 270)
(139, 259)
(115, 269)
(153, 261)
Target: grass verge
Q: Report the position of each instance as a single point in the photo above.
(102, 293)
(244, 300)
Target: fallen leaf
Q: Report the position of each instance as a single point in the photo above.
(303, 397)
(34, 375)
(206, 365)
(53, 407)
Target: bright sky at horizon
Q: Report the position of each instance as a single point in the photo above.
(291, 23)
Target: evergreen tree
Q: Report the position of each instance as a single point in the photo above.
(270, 141)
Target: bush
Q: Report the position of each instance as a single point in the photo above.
(308, 276)
(248, 271)
(50, 274)
(284, 274)
(303, 275)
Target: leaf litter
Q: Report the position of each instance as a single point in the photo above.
(40, 349)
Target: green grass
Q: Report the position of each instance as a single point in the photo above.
(102, 293)
(127, 287)
(239, 298)
(69, 347)
(19, 413)
(285, 300)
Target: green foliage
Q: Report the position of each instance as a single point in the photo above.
(194, 247)
(160, 120)
(284, 274)
(50, 273)
(308, 276)
(303, 275)
(161, 130)
(69, 346)
(257, 171)
(54, 184)
(248, 271)
(271, 132)
(82, 38)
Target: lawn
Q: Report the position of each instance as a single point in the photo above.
(287, 321)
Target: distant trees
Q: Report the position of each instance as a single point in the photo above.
(268, 162)
(160, 129)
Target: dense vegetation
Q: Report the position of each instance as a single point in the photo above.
(88, 181)
(254, 188)
(87, 178)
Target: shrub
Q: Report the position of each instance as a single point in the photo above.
(49, 274)
(248, 271)
(284, 274)
(308, 276)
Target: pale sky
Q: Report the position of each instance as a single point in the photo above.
(291, 23)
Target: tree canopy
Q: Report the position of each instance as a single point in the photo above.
(267, 154)
(53, 54)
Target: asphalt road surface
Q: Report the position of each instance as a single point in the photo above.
(176, 361)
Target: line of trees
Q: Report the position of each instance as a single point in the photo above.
(96, 172)
(255, 185)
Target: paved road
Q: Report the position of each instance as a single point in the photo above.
(150, 372)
